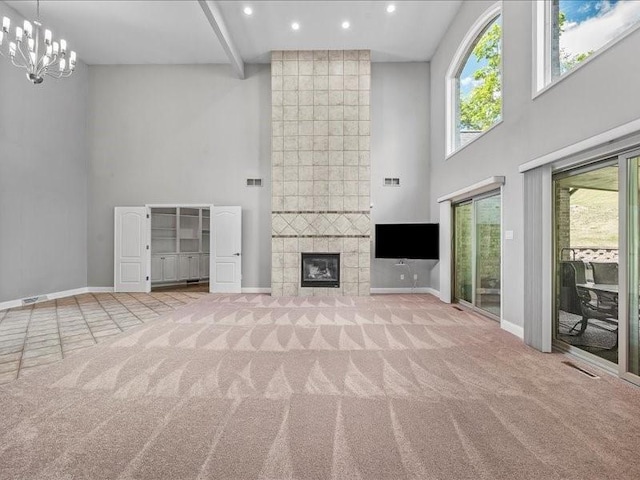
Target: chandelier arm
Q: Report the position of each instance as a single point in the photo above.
(53, 75)
(19, 49)
(19, 64)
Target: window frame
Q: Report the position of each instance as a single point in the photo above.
(465, 49)
(542, 80)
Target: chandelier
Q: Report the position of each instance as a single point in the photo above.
(34, 49)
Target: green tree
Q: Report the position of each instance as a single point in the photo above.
(482, 106)
(568, 60)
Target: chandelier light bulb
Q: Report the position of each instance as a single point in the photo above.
(1, 37)
(12, 49)
(28, 29)
(63, 46)
(47, 37)
(63, 64)
(345, 25)
(295, 26)
(19, 34)
(31, 43)
(248, 11)
(6, 23)
(56, 48)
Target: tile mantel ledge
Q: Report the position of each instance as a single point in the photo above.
(483, 186)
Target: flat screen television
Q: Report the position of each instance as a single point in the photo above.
(408, 240)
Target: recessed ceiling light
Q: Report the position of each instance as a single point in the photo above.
(391, 8)
(345, 24)
(295, 26)
(248, 11)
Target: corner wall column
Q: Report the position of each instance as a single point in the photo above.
(538, 258)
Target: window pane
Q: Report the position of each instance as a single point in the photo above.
(479, 95)
(633, 225)
(463, 252)
(488, 254)
(581, 27)
(586, 239)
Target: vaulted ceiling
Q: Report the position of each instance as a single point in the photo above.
(178, 32)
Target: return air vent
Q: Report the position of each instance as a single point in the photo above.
(391, 182)
(581, 370)
(254, 182)
(32, 300)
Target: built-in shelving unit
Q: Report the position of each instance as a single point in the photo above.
(163, 230)
(179, 244)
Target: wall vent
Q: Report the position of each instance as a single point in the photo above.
(391, 182)
(254, 182)
(32, 300)
(580, 369)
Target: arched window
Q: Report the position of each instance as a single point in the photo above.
(474, 82)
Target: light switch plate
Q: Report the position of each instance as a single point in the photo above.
(508, 235)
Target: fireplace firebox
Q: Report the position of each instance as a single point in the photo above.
(320, 270)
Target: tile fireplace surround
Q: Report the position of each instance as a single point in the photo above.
(320, 167)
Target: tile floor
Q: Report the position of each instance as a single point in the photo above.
(37, 335)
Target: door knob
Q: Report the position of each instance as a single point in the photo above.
(236, 254)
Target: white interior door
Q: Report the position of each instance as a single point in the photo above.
(131, 250)
(226, 269)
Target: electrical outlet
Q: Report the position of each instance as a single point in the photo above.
(402, 276)
(415, 276)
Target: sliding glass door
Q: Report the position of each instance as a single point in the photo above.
(477, 255)
(587, 260)
(631, 364)
(488, 257)
(597, 262)
(463, 252)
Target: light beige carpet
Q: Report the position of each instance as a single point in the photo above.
(252, 387)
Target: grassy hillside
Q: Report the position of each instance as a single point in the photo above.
(594, 219)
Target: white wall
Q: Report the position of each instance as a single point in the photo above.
(179, 134)
(600, 95)
(400, 148)
(43, 181)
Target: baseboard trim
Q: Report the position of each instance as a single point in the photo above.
(382, 291)
(512, 328)
(49, 296)
(255, 290)
(99, 289)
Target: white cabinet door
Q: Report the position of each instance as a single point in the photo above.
(227, 243)
(131, 252)
(183, 268)
(170, 268)
(204, 265)
(194, 267)
(156, 268)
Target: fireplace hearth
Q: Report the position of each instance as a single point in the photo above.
(320, 270)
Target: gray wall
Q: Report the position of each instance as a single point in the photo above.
(179, 134)
(192, 134)
(400, 148)
(600, 95)
(43, 181)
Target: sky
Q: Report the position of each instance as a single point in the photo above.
(593, 23)
(466, 76)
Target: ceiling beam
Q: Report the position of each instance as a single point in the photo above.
(214, 16)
